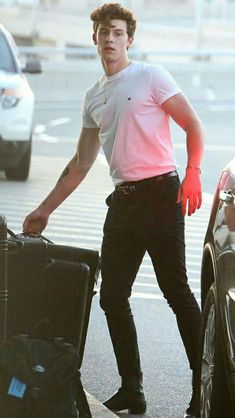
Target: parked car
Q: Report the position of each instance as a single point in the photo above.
(16, 109)
(217, 397)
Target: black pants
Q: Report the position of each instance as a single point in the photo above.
(144, 218)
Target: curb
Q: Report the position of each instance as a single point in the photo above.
(98, 410)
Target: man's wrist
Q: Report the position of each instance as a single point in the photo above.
(193, 168)
(44, 209)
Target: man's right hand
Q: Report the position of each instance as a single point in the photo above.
(35, 222)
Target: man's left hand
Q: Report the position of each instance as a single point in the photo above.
(190, 192)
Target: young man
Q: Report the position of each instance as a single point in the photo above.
(127, 113)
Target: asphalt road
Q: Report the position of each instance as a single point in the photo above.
(59, 93)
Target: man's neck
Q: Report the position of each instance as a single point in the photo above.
(112, 68)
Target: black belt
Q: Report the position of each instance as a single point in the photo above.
(126, 188)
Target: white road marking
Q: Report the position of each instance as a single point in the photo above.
(210, 93)
(59, 121)
(211, 147)
(39, 129)
(47, 138)
(221, 107)
(196, 80)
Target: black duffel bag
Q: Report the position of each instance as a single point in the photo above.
(40, 379)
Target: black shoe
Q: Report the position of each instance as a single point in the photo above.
(126, 399)
(193, 407)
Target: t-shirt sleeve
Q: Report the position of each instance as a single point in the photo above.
(163, 85)
(87, 120)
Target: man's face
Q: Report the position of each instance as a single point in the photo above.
(112, 39)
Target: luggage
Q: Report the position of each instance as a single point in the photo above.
(39, 379)
(44, 318)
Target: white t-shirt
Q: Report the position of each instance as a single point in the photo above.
(134, 129)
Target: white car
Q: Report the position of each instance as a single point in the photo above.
(16, 109)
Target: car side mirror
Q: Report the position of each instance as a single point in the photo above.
(32, 66)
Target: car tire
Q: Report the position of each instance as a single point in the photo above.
(215, 401)
(21, 171)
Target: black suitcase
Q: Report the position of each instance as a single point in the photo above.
(47, 291)
(64, 294)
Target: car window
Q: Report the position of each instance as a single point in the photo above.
(6, 57)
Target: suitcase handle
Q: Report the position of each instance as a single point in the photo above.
(46, 239)
(13, 235)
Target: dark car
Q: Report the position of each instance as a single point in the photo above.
(16, 109)
(217, 391)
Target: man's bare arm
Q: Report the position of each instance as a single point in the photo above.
(190, 193)
(183, 114)
(73, 174)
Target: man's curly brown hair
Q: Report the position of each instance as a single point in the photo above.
(111, 11)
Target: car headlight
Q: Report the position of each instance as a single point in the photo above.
(10, 98)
